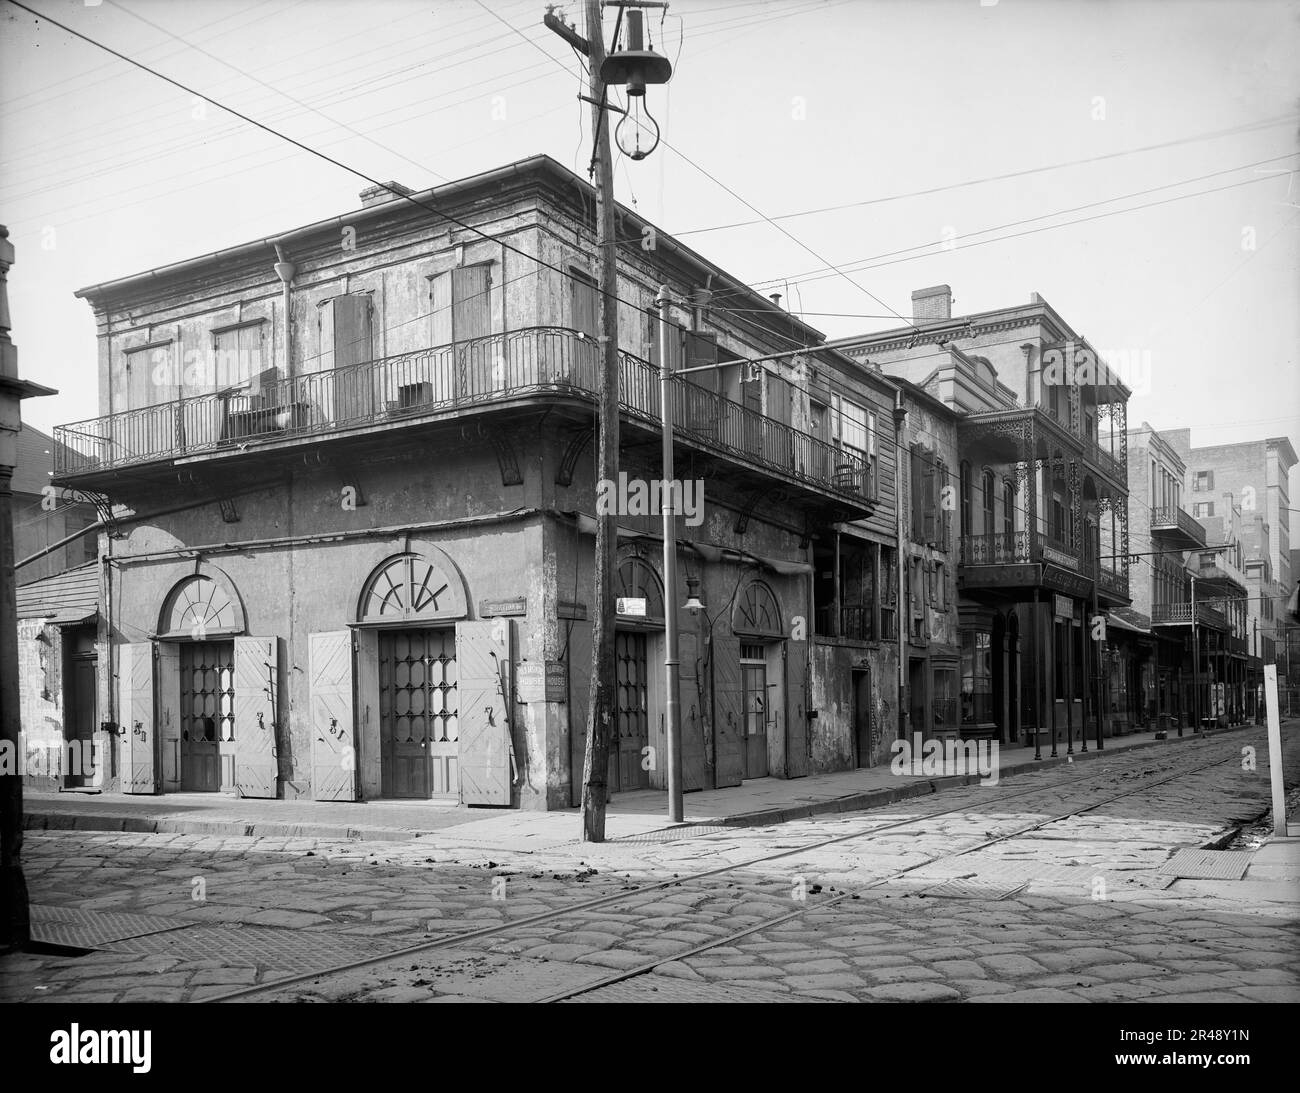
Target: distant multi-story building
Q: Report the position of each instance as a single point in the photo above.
(1040, 504)
(1240, 491)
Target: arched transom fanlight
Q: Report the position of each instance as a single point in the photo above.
(200, 607)
(757, 613)
(637, 580)
(412, 587)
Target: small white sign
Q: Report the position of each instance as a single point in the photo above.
(630, 605)
(1064, 607)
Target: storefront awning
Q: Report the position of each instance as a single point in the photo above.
(1133, 624)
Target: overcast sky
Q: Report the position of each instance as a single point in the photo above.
(792, 107)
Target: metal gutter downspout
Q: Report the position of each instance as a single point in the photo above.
(285, 270)
(900, 417)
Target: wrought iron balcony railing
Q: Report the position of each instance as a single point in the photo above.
(1177, 518)
(1112, 581)
(434, 382)
(1180, 614)
(1008, 548)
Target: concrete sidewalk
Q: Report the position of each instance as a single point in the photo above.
(634, 815)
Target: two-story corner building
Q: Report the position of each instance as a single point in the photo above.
(1042, 498)
(357, 554)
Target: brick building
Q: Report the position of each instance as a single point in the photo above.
(1241, 491)
(354, 552)
(1041, 503)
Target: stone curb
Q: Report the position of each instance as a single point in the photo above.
(55, 820)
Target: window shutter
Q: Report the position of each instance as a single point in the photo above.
(440, 306)
(583, 304)
(352, 333)
(471, 306)
(929, 522)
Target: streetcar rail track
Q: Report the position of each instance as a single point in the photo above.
(450, 941)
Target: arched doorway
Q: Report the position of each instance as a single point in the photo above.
(410, 691)
(756, 621)
(640, 600)
(217, 692)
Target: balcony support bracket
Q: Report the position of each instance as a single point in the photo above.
(751, 502)
(507, 460)
(573, 450)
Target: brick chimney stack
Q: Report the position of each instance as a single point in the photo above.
(377, 195)
(932, 303)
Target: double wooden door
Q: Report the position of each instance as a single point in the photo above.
(207, 718)
(419, 729)
(628, 769)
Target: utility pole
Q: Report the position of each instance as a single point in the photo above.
(633, 69)
(15, 916)
(602, 706)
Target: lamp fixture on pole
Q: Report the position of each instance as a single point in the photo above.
(635, 68)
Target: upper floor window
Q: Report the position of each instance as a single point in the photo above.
(1203, 482)
(346, 331)
(462, 303)
(966, 528)
(987, 492)
(1203, 508)
(855, 427)
(584, 312)
(238, 352)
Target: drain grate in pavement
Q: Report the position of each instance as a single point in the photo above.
(672, 834)
(661, 988)
(974, 888)
(1207, 865)
(254, 946)
(78, 929)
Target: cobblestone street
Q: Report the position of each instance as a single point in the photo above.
(1076, 909)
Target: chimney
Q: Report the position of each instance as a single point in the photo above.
(932, 303)
(377, 195)
(775, 297)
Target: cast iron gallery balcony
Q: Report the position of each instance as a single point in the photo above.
(535, 363)
(1020, 547)
(1179, 525)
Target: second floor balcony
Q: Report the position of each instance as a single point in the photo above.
(539, 366)
(1178, 527)
(1021, 547)
(1180, 614)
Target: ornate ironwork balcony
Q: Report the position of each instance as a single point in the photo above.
(437, 383)
(1005, 548)
(1180, 614)
(1178, 524)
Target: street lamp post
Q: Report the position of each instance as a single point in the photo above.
(672, 666)
(1196, 669)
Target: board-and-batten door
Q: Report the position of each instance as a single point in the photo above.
(368, 727)
(333, 747)
(484, 682)
(135, 708)
(257, 679)
(347, 339)
(168, 669)
(728, 712)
